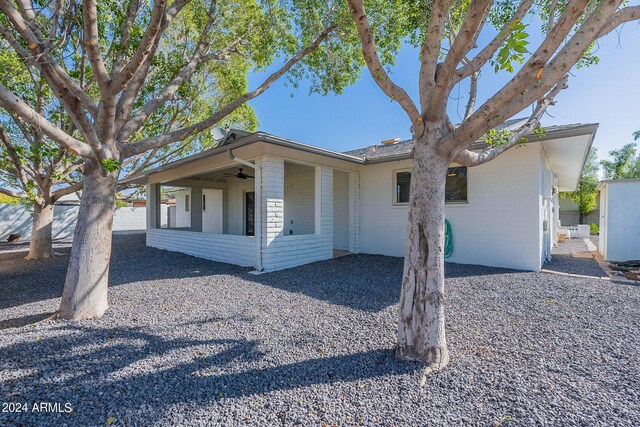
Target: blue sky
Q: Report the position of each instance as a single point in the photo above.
(608, 93)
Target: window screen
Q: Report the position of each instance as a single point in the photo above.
(186, 203)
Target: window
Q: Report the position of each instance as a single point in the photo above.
(204, 203)
(186, 203)
(403, 183)
(455, 190)
(456, 187)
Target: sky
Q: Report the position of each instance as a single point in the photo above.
(607, 93)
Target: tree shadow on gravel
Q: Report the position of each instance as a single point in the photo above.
(25, 281)
(135, 376)
(363, 282)
(24, 320)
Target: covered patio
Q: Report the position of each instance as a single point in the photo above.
(257, 205)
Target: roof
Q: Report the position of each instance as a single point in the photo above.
(68, 199)
(404, 148)
(373, 154)
(617, 181)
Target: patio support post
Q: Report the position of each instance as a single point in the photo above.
(153, 206)
(257, 211)
(272, 208)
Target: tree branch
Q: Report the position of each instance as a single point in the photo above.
(92, 43)
(132, 89)
(67, 89)
(626, 14)
(475, 158)
(125, 34)
(376, 69)
(533, 80)
(17, 106)
(19, 174)
(146, 49)
(10, 193)
(143, 145)
(490, 49)
(70, 189)
(430, 50)
(473, 95)
(197, 58)
(464, 41)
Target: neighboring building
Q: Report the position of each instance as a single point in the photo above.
(303, 202)
(570, 215)
(68, 200)
(620, 219)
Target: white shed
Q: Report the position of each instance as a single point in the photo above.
(620, 219)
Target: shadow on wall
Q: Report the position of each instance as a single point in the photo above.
(14, 219)
(80, 360)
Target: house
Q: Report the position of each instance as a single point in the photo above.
(619, 219)
(270, 203)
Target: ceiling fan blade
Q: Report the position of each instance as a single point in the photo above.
(249, 176)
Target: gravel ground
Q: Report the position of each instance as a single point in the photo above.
(563, 262)
(191, 342)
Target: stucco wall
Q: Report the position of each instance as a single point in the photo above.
(499, 226)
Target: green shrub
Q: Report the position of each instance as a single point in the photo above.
(594, 228)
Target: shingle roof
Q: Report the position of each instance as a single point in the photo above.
(404, 148)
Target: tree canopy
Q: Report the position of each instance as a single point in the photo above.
(586, 195)
(623, 163)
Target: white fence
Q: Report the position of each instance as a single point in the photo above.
(17, 219)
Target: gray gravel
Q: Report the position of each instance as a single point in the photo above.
(562, 260)
(192, 342)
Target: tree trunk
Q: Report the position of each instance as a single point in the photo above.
(85, 288)
(421, 327)
(581, 219)
(40, 245)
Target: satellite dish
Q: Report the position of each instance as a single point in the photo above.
(219, 134)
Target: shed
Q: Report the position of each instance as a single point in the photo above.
(620, 219)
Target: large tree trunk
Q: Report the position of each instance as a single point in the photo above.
(421, 327)
(581, 218)
(40, 245)
(85, 288)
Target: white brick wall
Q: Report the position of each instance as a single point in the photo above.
(231, 249)
(279, 250)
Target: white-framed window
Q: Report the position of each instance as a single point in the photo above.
(455, 191)
(187, 203)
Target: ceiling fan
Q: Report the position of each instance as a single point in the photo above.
(240, 174)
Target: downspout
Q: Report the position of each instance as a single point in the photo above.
(257, 208)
